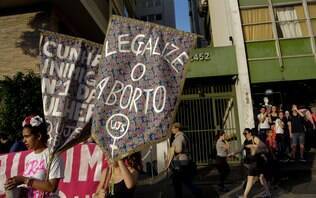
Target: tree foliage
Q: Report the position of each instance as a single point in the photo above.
(20, 96)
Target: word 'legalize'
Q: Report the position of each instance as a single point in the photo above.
(142, 44)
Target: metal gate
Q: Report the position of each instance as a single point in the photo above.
(203, 112)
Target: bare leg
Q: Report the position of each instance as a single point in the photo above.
(302, 150)
(250, 181)
(293, 151)
(264, 183)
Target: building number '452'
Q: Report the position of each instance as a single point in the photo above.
(202, 56)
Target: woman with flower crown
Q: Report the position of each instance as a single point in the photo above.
(35, 180)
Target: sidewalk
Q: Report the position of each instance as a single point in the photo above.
(298, 180)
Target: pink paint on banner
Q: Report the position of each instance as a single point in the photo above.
(83, 166)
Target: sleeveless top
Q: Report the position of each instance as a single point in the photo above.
(121, 191)
(249, 158)
(274, 118)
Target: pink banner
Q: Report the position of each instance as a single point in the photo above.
(83, 165)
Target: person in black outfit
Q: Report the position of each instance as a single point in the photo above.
(298, 132)
(273, 116)
(255, 161)
(124, 176)
(287, 139)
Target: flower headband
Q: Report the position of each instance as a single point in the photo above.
(34, 121)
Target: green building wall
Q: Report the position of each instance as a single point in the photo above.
(212, 61)
(296, 62)
(263, 2)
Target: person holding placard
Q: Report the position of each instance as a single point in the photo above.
(41, 172)
(119, 181)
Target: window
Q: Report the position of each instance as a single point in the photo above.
(125, 12)
(257, 24)
(158, 17)
(143, 18)
(157, 3)
(149, 3)
(312, 14)
(146, 3)
(291, 21)
(151, 17)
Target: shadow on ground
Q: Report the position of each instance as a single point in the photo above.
(297, 179)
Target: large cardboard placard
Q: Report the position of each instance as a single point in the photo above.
(138, 84)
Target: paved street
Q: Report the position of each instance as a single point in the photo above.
(298, 180)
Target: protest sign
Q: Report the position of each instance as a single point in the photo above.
(68, 67)
(83, 166)
(138, 84)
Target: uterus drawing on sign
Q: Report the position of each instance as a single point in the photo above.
(117, 127)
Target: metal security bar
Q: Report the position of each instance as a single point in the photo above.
(204, 111)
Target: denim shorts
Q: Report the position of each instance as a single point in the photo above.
(298, 138)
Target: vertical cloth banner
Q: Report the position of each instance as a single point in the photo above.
(139, 81)
(68, 67)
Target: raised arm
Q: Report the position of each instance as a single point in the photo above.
(100, 188)
(130, 175)
(299, 113)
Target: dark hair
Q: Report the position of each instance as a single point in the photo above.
(177, 125)
(3, 135)
(135, 161)
(40, 130)
(248, 130)
(220, 133)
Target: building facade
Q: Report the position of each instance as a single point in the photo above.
(22, 20)
(157, 11)
(280, 42)
(267, 50)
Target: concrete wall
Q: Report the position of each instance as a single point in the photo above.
(220, 22)
(19, 38)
